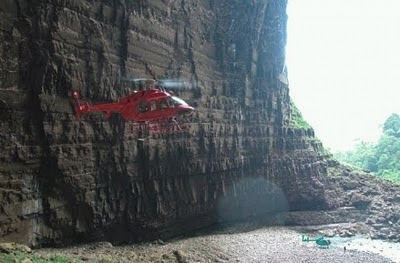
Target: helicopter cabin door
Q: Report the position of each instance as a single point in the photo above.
(154, 110)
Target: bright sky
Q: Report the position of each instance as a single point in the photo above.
(343, 58)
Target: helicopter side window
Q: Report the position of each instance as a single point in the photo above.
(163, 104)
(170, 102)
(153, 106)
(143, 106)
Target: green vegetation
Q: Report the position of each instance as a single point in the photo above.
(296, 119)
(18, 256)
(382, 158)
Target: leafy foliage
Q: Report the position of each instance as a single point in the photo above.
(392, 126)
(382, 158)
(296, 119)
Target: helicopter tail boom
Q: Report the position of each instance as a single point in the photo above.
(83, 107)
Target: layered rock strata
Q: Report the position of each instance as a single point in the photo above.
(66, 180)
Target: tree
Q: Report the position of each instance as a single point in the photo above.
(382, 158)
(392, 125)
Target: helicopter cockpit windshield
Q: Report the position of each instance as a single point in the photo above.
(177, 101)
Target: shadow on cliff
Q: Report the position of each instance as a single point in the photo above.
(252, 198)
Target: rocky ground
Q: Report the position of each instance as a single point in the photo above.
(362, 197)
(245, 243)
(365, 213)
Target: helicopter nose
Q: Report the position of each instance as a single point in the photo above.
(186, 109)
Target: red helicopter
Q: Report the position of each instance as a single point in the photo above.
(150, 104)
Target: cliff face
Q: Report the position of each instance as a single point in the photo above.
(64, 180)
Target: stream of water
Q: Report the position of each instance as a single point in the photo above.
(387, 249)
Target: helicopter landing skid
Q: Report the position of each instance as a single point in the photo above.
(157, 127)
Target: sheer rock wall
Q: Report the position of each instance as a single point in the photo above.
(66, 180)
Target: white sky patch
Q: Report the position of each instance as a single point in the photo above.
(343, 58)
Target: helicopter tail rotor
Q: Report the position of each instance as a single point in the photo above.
(79, 106)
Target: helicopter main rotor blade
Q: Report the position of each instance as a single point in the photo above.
(175, 84)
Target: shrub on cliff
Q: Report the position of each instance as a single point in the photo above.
(296, 119)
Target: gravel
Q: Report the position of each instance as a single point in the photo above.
(235, 244)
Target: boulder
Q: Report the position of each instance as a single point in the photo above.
(11, 246)
(360, 201)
